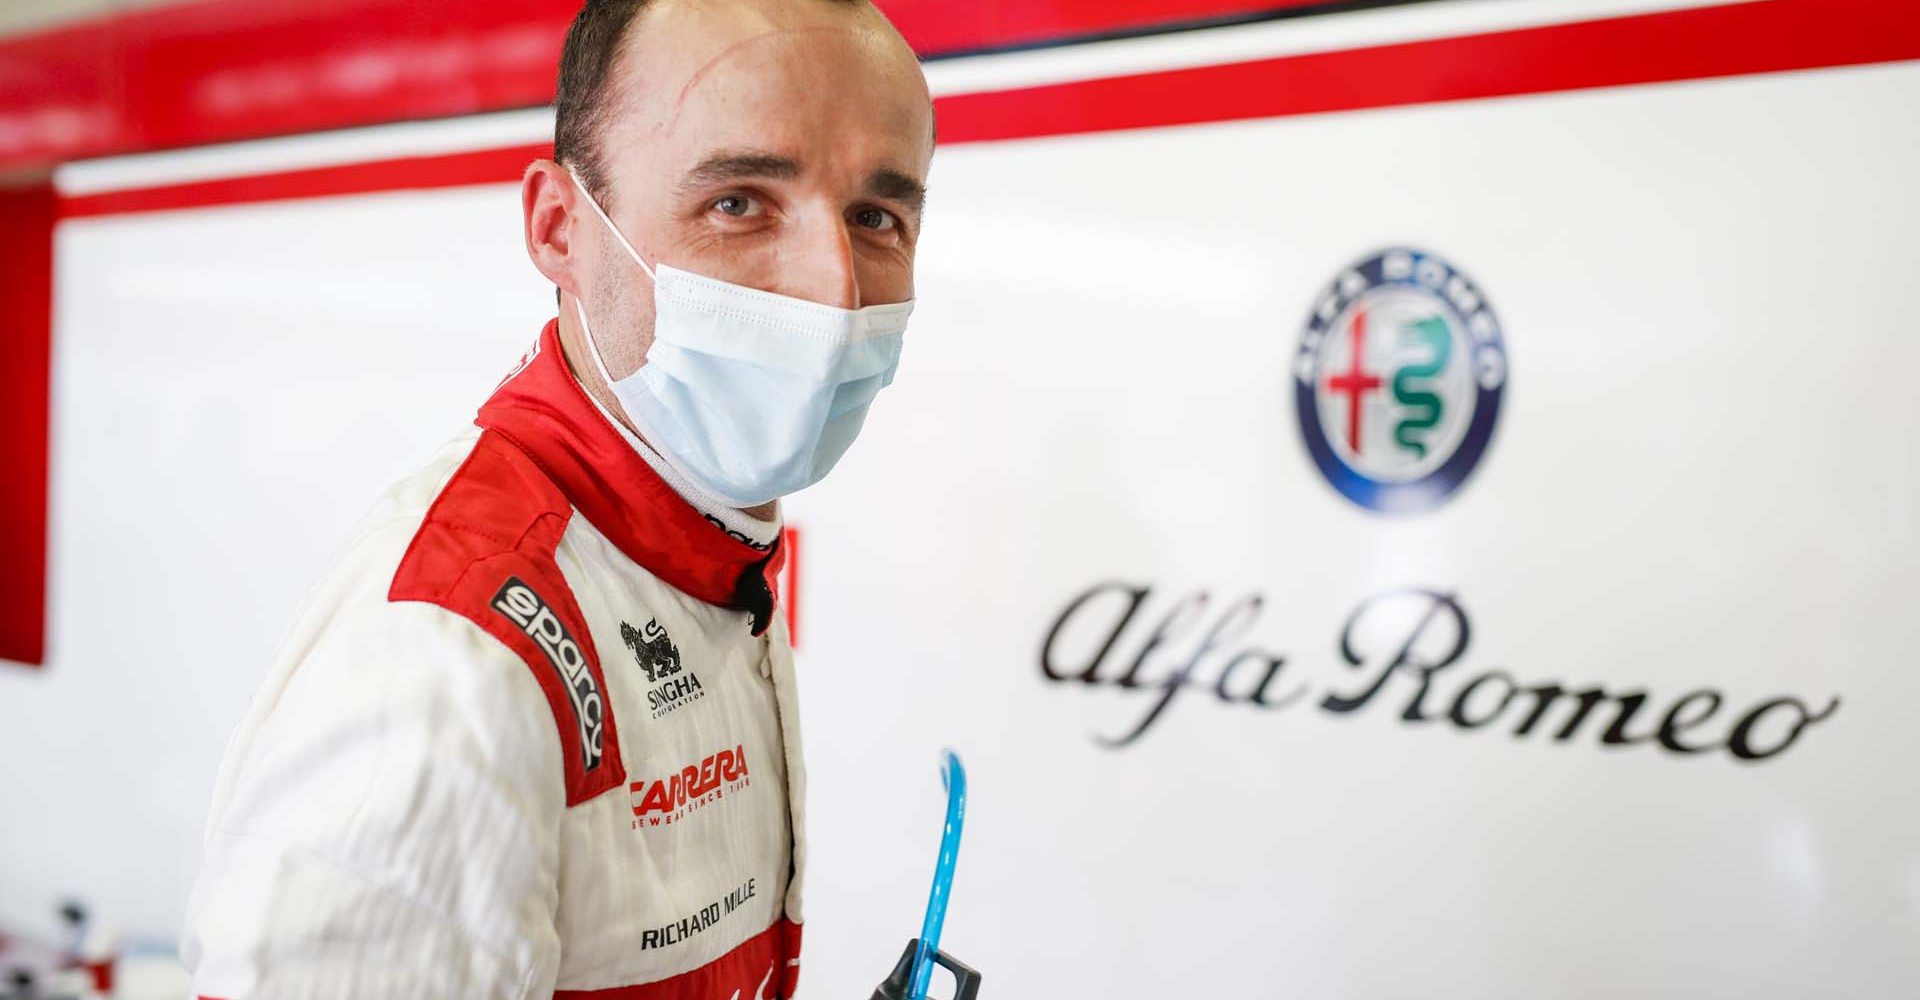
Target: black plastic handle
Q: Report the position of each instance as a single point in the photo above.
(966, 981)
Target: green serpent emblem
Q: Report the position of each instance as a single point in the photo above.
(1423, 408)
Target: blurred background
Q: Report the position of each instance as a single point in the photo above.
(1389, 499)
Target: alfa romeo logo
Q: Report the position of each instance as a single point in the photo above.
(1398, 379)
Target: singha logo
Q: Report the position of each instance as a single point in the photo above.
(652, 649)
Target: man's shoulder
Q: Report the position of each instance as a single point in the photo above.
(496, 506)
(485, 551)
(477, 499)
(415, 548)
(453, 576)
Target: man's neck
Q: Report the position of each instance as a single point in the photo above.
(588, 377)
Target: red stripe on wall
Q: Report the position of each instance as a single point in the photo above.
(209, 71)
(935, 27)
(1748, 38)
(26, 311)
(1764, 37)
(790, 582)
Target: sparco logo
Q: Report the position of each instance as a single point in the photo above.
(665, 801)
(1397, 650)
(525, 608)
(1398, 378)
(656, 654)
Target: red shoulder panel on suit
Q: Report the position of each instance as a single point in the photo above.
(485, 551)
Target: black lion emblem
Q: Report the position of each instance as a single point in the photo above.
(651, 649)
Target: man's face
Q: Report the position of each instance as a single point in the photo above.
(778, 144)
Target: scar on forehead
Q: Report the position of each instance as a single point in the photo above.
(686, 89)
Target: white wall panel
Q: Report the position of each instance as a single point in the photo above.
(1702, 479)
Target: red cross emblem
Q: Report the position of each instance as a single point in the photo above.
(1356, 381)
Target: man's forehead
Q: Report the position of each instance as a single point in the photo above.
(779, 76)
(676, 46)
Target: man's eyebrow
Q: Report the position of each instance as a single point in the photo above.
(721, 167)
(896, 186)
(734, 166)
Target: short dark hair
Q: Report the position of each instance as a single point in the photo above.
(579, 101)
(580, 105)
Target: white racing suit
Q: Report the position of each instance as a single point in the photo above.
(534, 736)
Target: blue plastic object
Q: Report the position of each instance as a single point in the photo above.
(954, 776)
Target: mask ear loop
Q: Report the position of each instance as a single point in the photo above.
(615, 230)
(592, 348)
(581, 310)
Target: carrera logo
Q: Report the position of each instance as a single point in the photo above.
(522, 606)
(665, 801)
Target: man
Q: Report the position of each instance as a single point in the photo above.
(535, 735)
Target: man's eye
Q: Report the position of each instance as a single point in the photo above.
(874, 218)
(736, 205)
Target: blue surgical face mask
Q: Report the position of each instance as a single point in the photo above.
(749, 394)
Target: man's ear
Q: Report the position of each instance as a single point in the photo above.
(546, 208)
